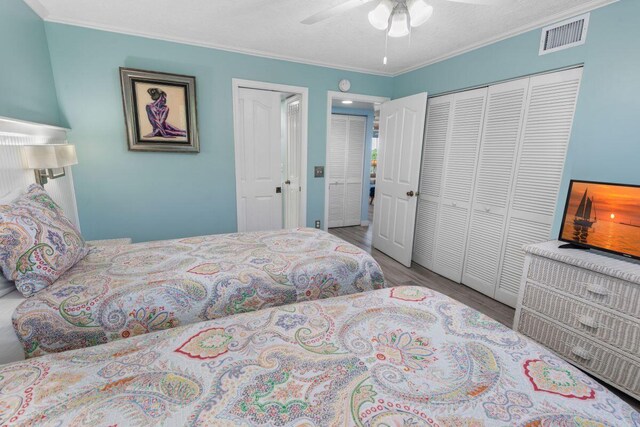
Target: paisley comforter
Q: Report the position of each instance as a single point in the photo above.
(120, 291)
(403, 356)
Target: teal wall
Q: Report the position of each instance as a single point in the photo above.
(27, 91)
(605, 143)
(150, 196)
(366, 172)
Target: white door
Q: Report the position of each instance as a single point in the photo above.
(257, 153)
(498, 151)
(439, 111)
(401, 136)
(293, 182)
(345, 164)
(538, 174)
(457, 187)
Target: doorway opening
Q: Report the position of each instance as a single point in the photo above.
(270, 140)
(352, 122)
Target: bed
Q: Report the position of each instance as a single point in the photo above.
(118, 292)
(404, 356)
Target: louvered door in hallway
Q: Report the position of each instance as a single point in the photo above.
(345, 164)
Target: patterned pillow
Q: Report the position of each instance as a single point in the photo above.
(37, 242)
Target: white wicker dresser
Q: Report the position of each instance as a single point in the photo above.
(584, 306)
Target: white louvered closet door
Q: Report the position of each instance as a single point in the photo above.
(354, 171)
(344, 169)
(460, 161)
(496, 164)
(435, 142)
(336, 161)
(538, 175)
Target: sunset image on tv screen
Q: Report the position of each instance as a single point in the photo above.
(603, 216)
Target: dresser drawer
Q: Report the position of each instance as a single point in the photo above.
(585, 353)
(600, 289)
(601, 325)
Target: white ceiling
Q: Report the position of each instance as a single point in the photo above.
(272, 27)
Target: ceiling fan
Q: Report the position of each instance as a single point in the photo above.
(396, 17)
(402, 12)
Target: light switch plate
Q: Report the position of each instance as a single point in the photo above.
(318, 171)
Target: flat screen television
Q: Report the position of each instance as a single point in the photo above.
(603, 216)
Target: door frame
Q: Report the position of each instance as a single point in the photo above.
(331, 95)
(236, 84)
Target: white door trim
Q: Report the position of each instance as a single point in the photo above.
(304, 93)
(331, 95)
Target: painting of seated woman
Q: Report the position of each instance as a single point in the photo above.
(160, 111)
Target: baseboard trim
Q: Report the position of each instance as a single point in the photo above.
(364, 223)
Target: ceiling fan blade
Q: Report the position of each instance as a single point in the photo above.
(334, 11)
(479, 2)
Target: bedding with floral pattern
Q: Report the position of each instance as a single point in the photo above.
(404, 356)
(37, 242)
(117, 292)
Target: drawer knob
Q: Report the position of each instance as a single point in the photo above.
(597, 290)
(588, 321)
(582, 353)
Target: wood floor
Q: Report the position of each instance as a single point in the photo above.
(397, 274)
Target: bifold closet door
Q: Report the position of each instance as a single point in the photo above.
(461, 154)
(344, 169)
(545, 137)
(496, 164)
(336, 159)
(354, 171)
(439, 111)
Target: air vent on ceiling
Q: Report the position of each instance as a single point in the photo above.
(565, 34)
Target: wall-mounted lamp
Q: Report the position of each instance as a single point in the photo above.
(49, 160)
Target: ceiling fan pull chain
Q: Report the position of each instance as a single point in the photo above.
(386, 44)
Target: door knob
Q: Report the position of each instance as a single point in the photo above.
(288, 182)
(410, 193)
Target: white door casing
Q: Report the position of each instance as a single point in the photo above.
(257, 158)
(402, 124)
(345, 162)
(342, 96)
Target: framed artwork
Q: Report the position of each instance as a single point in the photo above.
(159, 111)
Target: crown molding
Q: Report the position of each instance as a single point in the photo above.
(588, 6)
(197, 43)
(578, 10)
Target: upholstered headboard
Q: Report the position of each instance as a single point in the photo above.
(13, 175)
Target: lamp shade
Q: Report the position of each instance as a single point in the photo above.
(399, 23)
(419, 11)
(50, 156)
(379, 17)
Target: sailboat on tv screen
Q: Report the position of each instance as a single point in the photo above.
(583, 213)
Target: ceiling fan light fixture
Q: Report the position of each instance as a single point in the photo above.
(379, 17)
(399, 22)
(419, 11)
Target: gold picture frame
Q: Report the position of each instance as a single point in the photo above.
(159, 111)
